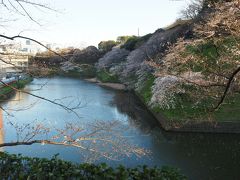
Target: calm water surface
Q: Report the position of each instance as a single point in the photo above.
(199, 156)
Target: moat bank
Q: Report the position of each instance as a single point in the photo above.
(202, 126)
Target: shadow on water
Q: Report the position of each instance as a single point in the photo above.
(199, 155)
(139, 116)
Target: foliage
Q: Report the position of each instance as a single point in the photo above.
(112, 58)
(206, 66)
(203, 65)
(106, 46)
(105, 76)
(130, 43)
(18, 167)
(42, 61)
(164, 92)
(4, 91)
(146, 91)
(21, 83)
(178, 22)
(122, 39)
(134, 42)
(156, 45)
(209, 55)
(89, 55)
(186, 111)
(43, 71)
(84, 71)
(227, 112)
(193, 9)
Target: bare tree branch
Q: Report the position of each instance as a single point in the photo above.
(38, 4)
(33, 40)
(56, 143)
(231, 79)
(15, 5)
(45, 99)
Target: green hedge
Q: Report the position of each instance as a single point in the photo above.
(19, 167)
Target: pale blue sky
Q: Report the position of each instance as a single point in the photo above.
(86, 22)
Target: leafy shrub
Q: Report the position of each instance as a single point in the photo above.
(106, 46)
(130, 43)
(84, 71)
(164, 91)
(134, 42)
(146, 90)
(5, 91)
(23, 82)
(105, 76)
(18, 167)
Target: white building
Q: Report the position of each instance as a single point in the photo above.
(29, 48)
(13, 59)
(10, 48)
(13, 63)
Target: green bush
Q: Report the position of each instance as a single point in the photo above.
(106, 46)
(105, 77)
(5, 91)
(134, 42)
(146, 91)
(207, 56)
(130, 43)
(85, 71)
(21, 83)
(19, 167)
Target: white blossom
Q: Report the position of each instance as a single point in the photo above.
(164, 91)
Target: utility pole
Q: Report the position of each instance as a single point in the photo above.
(138, 32)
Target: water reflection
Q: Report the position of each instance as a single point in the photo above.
(138, 116)
(202, 156)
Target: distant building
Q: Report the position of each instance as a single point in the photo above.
(29, 48)
(13, 58)
(10, 48)
(28, 42)
(13, 63)
(20, 48)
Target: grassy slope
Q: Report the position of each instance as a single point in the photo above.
(146, 91)
(184, 110)
(4, 91)
(229, 111)
(105, 76)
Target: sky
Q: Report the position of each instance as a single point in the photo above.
(81, 23)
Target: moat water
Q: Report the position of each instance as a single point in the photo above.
(199, 156)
